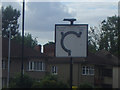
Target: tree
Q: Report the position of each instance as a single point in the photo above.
(49, 43)
(93, 40)
(106, 37)
(10, 18)
(29, 41)
(10, 21)
(109, 35)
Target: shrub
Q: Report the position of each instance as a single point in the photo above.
(85, 85)
(19, 82)
(50, 81)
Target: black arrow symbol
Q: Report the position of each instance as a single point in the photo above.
(63, 37)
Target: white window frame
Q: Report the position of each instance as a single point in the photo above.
(40, 66)
(36, 66)
(87, 70)
(91, 70)
(54, 70)
(30, 68)
(84, 68)
(33, 66)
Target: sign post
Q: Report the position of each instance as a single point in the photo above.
(71, 41)
(0, 47)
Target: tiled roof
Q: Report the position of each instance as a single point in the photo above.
(100, 58)
(108, 57)
(16, 50)
(90, 59)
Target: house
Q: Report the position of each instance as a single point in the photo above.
(114, 66)
(90, 70)
(101, 69)
(97, 69)
(31, 58)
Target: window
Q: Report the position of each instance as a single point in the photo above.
(54, 70)
(3, 64)
(87, 70)
(83, 70)
(36, 66)
(31, 66)
(91, 71)
(107, 72)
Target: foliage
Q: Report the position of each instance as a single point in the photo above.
(85, 85)
(50, 43)
(36, 84)
(18, 82)
(106, 36)
(10, 18)
(10, 21)
(50, 81)
(4, 88)
(109, 35)
(29, 41)
(92, 40)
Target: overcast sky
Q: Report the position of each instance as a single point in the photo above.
(41, 17)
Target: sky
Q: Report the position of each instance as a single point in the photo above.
(41, 17)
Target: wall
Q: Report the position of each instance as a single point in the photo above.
(62, 69)
(64, 73)
(86, 78)
(102, 77)
(15, 68)
(38, 48)
(38, 75)
(107, 80)
(49, 49)
(116, 77)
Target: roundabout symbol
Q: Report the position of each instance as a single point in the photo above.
(63, 37)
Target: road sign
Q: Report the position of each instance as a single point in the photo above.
(71, 40)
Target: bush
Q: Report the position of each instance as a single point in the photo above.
(4, 88)
(50, 81)
(36, 85)
(85, 85)
(18, 82)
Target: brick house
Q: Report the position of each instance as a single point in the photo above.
(98, 69)
(101, 69)
(30, 56)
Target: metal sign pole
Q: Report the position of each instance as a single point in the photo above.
(0, 59)
(8, 77)
(22, 66)
(71, 61)
(71, 72)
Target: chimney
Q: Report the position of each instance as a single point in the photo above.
(49, 49)
(38, 48)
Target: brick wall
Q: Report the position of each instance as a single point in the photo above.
(49, 49)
